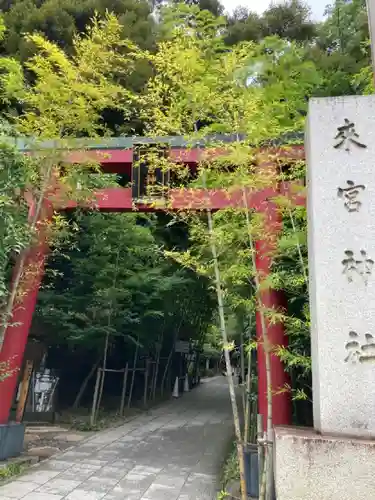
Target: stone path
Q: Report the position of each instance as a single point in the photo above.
(172, 453)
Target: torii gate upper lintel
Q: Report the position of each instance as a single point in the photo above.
(119, 159)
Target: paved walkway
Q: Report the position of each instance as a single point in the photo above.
(172, 453)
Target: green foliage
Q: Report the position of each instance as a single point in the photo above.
(60, 21)
(364, 80)
(337, 46)
(198, 82)
(255, 91)
(230, 473)
(8, 471)
(116, 281)
(16, 172)
(345, 28)
(66, 101)
(70, 93)
(289, 20)
(290, 274)
(340, 49)
(213, 6)
(6, 370)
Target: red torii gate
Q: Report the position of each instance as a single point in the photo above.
(118, 158)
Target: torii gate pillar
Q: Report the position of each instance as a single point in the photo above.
(15, 339)
(271, 299)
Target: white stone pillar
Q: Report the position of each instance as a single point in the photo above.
(340, 143)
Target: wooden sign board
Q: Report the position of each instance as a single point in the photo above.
(25, 383)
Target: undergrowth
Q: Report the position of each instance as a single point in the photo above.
(10, 470)
(231, 472)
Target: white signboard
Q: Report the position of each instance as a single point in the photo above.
(182, 346)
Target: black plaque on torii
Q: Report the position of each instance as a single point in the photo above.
(150, 183)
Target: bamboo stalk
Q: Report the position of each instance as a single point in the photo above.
(84, 384)
(50, 399)
(95, 398)
(243, 384)
(152, 377)
(109, 321)
(133, 373)
(254, 416)
(155, 372)
(123, 392)
(265, 485)
(146, 383)
(223, 329)
(248, 400)
(166, 370)
(101, 387)
(170, 358)
(260, 434)
(270, 480)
